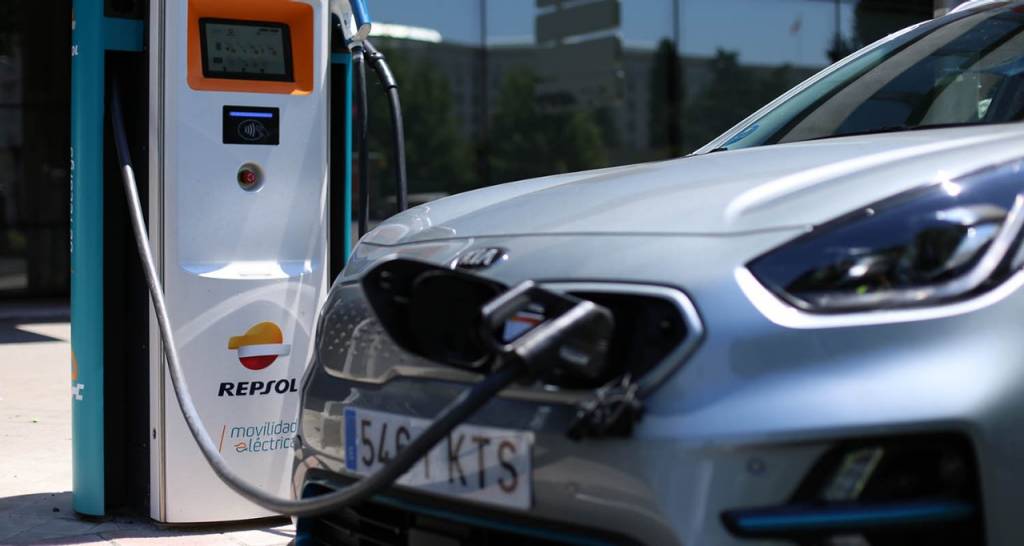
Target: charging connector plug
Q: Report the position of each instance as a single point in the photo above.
(572, 333)
(463, 320)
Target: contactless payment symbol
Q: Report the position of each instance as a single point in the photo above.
(252, 130)
(260, 346)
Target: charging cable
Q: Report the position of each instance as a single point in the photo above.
(353, 19)
(390, 84)
(456, 412)
(362, 123)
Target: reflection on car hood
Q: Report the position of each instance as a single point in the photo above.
(782, 186)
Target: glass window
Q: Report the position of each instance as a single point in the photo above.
(960, 71)
(501, 90)
(435, 50)
(579, 85)
(741, 54)
(34, 143)
(452, 21)
(493, 91)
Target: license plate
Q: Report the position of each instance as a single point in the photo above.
(482, 464)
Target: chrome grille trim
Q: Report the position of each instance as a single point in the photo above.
(424, 370)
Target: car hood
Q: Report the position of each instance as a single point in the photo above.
(730, 192)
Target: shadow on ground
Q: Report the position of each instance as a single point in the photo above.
(47, 519)
(11, 333)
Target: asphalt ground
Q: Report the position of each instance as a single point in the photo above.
(35, 452)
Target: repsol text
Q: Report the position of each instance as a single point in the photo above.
(258, 388)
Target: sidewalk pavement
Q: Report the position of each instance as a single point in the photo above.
(35, 457)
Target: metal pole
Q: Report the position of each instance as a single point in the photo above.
(92, 35)
(87, 114)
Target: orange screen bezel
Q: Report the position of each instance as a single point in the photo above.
(299, 18)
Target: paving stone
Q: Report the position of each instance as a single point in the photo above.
(274, 536)
(35, 478)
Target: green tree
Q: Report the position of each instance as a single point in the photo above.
(528, 141)
(666, 95)
(875, 19)
(11, 24)
(774, 83)
(438, 158)
(733, 93)
(730, 96)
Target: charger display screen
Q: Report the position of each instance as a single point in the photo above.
(246, 50)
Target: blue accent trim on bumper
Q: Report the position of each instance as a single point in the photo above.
(802, 520)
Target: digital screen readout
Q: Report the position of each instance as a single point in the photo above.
(246, 50)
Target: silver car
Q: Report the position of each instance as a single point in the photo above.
(818, 329)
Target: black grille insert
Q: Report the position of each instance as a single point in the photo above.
(647, 329)
(397, 522)
(652, 323)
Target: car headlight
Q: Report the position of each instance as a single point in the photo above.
(942, 242)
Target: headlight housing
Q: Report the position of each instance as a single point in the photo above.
(938, 243)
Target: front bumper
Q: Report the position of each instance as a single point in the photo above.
(741, 423)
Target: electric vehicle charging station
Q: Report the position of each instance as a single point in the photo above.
(230, 102)
(239, 236)
(237, 115)
(568, 334)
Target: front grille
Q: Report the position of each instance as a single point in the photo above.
(393, 522)
(655, 329)
(648, 328)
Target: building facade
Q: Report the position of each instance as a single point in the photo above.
(493, 91)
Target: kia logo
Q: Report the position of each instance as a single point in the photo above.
(480, 258)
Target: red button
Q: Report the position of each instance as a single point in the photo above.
(247, 177)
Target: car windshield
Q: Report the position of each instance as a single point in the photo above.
(965, 69)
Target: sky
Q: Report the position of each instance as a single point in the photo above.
(762, 31)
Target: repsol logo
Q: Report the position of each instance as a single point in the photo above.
(258, 388)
